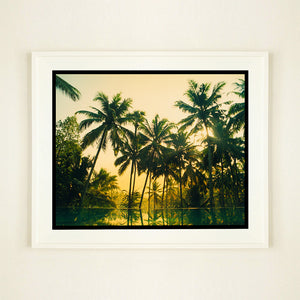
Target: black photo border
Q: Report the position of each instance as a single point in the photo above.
(158, 72)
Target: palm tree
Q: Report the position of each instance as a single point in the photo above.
(154, 135)
(136, 118)
(165, 169)
(184, 153)
(67, 88)
(202, 110)
(101, 187)
(104, 182)
(226, 149)
(109, 120)
(237, 110)
(130, 149)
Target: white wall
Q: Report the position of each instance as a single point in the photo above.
(35, 25)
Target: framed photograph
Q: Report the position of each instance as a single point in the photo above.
(150, 149)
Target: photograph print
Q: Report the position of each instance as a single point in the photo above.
(150, 149)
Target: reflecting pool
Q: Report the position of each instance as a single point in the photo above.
(99, 217)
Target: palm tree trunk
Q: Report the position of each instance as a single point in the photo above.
(92, 169)
(130, 183)
(234, 185)
(163, 193)
(144, 189)
(166, 196)
(210, 183)
(148, 172)
(141, 216)
(134, 176)
(222, 184)
(180, 187)
(211, 191)
(133, 185)
(237, 178)
(149, 192)
(181, 216)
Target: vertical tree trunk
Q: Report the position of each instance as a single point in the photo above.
(222, 184)
(163, 192)
(141, 216)
(149, 192)
(144, 190)
(92, 169)
(180, 187)
(182, 216)
(133, 184)
(130, 183)
(148, 172)
(234, 186)
(166, 193)
(210, 183)
(237, 178)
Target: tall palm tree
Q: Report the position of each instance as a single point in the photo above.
(109, 121)
(202, 109)
(226, 149)
(67, 88)
(155, 135)
(165, 169)
(136, 118)
(130, 150)
(184, 153)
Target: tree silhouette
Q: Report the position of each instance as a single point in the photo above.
(184, 152)
(110, 121)
(155, 135)
(203, 109)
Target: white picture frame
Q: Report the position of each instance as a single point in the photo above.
(257, 233)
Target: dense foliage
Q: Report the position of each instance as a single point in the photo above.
(199, 162)
(71, 171)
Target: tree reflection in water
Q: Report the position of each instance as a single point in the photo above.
(155, 217)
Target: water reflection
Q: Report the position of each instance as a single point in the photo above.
(158, 217)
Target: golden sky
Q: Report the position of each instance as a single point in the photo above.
(152, 93)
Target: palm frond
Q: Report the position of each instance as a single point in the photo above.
(91, 114)
(186, 122)
(99, 112)
(120, 160)
(240, 88)
(92, 136)
(84, 124)
(123, 107)
(123, 167)
(67, 88)
(186, 107)
(235, 108)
